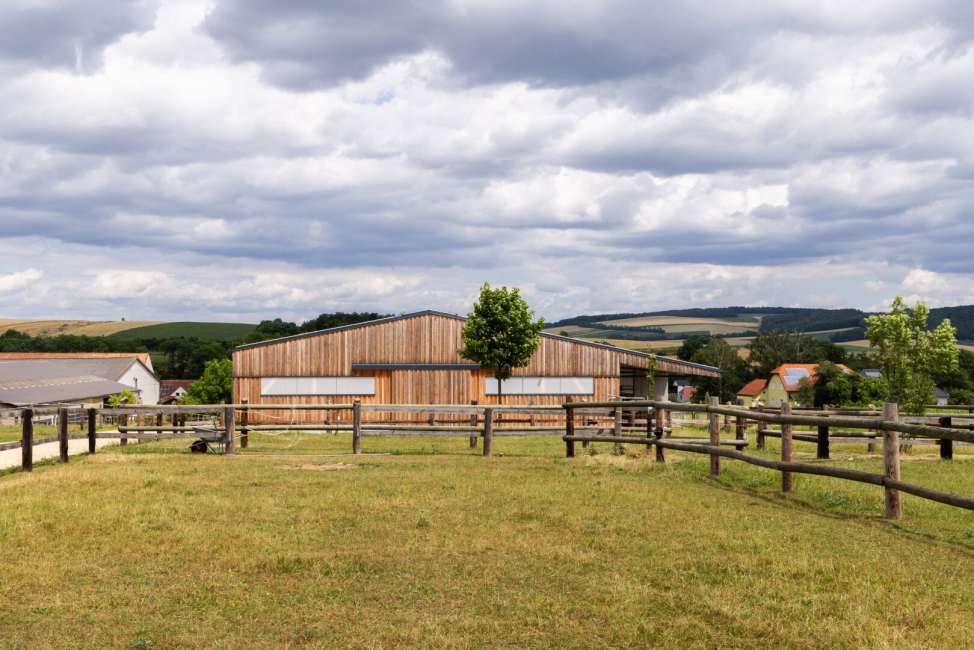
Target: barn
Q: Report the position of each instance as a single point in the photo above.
(412, 359)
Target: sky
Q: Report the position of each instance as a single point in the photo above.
(235, 160)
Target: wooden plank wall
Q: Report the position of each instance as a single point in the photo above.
(423, 339)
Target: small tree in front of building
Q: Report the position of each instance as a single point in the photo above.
(909, 354)
(500, 333)
(125, 397)
(214, 387)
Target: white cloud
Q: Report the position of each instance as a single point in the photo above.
(814, 153)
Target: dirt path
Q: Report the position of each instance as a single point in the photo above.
(12, 457)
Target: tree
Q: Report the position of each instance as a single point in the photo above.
(806, 392)
(500, 333)
(214, 387)
(128, 396)
(718, 353)
(768, 350)
(690, 346)
(909, 354)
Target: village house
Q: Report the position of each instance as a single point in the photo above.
(413, 359)
(785, 380)
(753, 392)
(171, 390)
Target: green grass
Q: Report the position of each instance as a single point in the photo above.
(216, 331)
(433, 545)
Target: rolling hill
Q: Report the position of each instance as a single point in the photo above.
(127, 330)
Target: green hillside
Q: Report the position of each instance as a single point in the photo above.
(214, 331)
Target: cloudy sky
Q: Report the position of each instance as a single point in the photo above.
(240, 159)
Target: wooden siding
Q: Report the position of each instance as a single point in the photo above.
(422, 339)
(427, 338)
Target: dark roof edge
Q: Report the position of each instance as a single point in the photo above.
(433, 312)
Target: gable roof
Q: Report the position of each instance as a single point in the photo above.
(792, 373)
(753, 388)
(431, 312)
(23, 383)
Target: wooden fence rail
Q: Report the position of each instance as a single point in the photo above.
(887, 425)
(584, 422)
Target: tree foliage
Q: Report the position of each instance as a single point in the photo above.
(910, 354)
(500, 333)
(214, 387)
(719, 354)
(126, 396)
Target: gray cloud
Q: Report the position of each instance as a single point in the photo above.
(252, 159)
(68, 35)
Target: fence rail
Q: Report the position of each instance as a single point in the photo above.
(584, 422)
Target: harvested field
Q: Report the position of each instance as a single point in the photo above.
(76, 327)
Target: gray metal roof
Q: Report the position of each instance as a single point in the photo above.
(110, 369)
(440, 313)
(23, 383)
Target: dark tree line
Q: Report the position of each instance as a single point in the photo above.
(180, 357)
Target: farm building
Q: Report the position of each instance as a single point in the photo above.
(786, 380)
(36, 383)
(131, 369)
(412, 359)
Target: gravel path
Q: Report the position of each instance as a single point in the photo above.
(12, 457)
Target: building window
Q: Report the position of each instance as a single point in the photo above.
(281, 386)
(543, 386)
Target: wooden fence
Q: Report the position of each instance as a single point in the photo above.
(886, 423)
(614, 422)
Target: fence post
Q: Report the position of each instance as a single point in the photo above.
(946, 446)
(787, 453)
(27, 440)
(123, 421)
(727, 420)
(569, 430)
(62, 434)
(488, 432)
(473, 423)
(230, 417)
(617, 429)
(740, 428)
(244, 422)
(584, 443)
(91, 431)
(823, 443)
(140, 421)
(891, 461)
(714, 422)
(357, 427)
(660, 425)
(762, 427)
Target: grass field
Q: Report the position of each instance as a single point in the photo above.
(435, 546)
(77, 327)
(216, 331)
